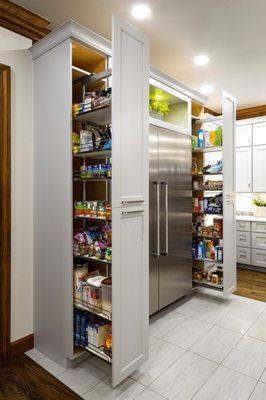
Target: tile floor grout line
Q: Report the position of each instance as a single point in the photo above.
(215, 369)
(264, 370)
(253, 390)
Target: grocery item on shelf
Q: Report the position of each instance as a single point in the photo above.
(213, 169)
(209, 273)
(80, 275)
(90, 330)
(207, 250)
(194, 166)
(93, 101)
(208, 185)
(208, 138)
(107, 294)
(92, 209)
(96, 171)
(92, 138)
(93, 242)
(213, 204)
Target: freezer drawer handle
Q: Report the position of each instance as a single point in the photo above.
(165, 251)
(125, 213)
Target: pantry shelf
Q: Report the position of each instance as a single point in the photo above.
(107, 315)
(207, 237)
(92, 218)
(98, 154)
(79, 179)
(207, 149)
(208, 190)
(208, 285)
(98, 352)
(207, 260)
(93, 259)
(202, 175)
(207, 213)
(99, 116)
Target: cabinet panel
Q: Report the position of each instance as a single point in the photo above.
(259, 241)
(243, 239)
(243, 169)
(259, 227)
(243, 255)
(243, 135)
(258, 258)
(130, 277)
(130, 78)
(259, 133)
(243, 226)
(259, 157)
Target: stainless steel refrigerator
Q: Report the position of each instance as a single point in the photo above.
(170, 216)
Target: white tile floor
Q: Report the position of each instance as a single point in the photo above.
(201, 348)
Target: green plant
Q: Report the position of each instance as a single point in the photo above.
(259, 201)
(160, 106)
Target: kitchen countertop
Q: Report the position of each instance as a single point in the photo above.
(250, 218)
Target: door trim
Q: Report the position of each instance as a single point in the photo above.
(5, 211)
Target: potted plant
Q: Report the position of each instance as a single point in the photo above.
(159, 108)
(259, 206)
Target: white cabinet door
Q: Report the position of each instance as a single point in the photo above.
(243, 239)
(130, 185)
(259, 177)
(229, 128)
(130, 115)
(259, 133)
(243, 135)
(243, 169)
(130, 290)
(243, 255)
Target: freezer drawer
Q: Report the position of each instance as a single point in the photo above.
(258, 240)
(243, 239)
(259, 227)
(243, 226)
(243, 255)
(258, 258)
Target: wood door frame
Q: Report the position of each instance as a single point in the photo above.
(5, 210)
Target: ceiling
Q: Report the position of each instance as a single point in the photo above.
(231, 32)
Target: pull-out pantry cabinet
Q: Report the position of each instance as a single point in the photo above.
(128, 191)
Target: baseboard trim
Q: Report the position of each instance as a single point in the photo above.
(21, 345)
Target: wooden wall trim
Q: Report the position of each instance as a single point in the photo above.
(5, 212)
(22, 21)
(251, 112)
(22, 345)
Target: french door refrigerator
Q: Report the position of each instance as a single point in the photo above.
(170, 216)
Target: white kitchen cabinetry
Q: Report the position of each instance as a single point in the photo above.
(53, 192)
(243, 169)
(259, 157)
(243, 135)
(259, 133)
(251, 243)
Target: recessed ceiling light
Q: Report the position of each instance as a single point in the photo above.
(141, 11)
(201, 60)
(206, 89)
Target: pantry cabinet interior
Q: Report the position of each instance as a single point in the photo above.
(213, 180)
(91, 196)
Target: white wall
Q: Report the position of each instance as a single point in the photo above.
(21, 183)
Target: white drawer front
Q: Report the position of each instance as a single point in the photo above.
(258, 241)
(259, 227)
(243, 239)
(243, 255)
(243, 226)
(258, 258)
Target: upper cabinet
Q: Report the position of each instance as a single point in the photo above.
(169, 108)
(243, 135)
(259, 133)
(243, 169)
(259, 157)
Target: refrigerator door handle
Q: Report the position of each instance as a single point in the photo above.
(165, 251)
(157, 253)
